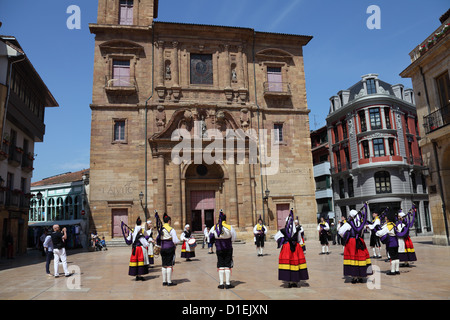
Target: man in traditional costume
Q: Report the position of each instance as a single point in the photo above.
(223, 234)
(186, 250)
(387, 234)
(301, 231)
(149, 237)
(357, 263)
(291, 261)
(167, 239)
(323, 228)
(374, 240)
(259, 232)
(139, 256)
(406, 252)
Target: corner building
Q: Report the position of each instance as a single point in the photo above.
(152, 78)
(375, 156)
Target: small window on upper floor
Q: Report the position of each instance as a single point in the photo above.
(119, 130)
(126, 12)
(278, 127)
(371, 88)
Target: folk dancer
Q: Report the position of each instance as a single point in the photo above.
(291, 261)
(323, 228)
(357, 263)
(339, 238)
(139, 257)
(208, 240)
(151, 242)
(259, 232)
(387, 234)
(223, 234)
(406, 252)
(375, 243)
(186, 251)
(167, 239)
(301, 231)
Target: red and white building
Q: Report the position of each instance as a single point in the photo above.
(373, 142)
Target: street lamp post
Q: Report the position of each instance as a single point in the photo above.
(141, 197)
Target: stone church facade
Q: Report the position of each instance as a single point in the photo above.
(153, 80)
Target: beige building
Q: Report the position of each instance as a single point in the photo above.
(23, 99)
(154, 78)
(429, 71)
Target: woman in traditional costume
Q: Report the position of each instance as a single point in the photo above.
(374, 240)
(139, 258)
(406, 252)
(357, 263)
(291, 261)
(186, 250)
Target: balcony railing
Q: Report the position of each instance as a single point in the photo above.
(121, 84)
(437, 119)
(277, 88)
(341, 167)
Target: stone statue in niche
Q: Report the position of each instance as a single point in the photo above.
(168, 72)
(203, 127)
(160, 118)
(233, 75)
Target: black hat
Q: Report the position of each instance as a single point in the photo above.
(138, 221)
(166, 218)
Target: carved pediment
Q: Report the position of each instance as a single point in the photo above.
(121, 46)
(197, 121)
(273, 54)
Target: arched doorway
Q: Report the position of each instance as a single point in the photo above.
(203, 194)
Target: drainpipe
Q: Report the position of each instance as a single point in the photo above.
(258, 115)
(145, 126)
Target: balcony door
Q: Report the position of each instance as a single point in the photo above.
(274, 79)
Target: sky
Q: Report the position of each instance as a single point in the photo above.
(343, 49)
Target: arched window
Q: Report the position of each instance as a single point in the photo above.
(383, 182)
(32, 215)
(76, 207)
(68, 208)
(51, 210)
(59, 209)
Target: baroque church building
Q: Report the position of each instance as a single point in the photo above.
(158, 85)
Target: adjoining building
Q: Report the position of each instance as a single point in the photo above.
(61, 199)
(152, 78)
(429, 71)
(373, 135)
(322, 175)
(23, 99)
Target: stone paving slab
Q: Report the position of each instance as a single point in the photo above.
(104, 276)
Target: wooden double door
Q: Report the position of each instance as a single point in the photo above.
(202, 209)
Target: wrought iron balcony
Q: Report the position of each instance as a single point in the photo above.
(437, 119)
(122, 85)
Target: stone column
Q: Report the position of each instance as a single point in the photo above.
(161, 186)
(161, 63)
(177, 199)
(232, 198)
(240, 68)
(227, 67)
(248, 198)
(175, 71)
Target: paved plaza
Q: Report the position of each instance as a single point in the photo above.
(103, 275)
